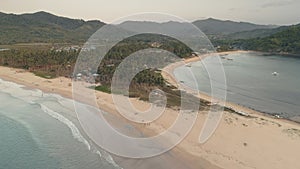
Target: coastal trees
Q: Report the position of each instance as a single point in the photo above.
(51, 63)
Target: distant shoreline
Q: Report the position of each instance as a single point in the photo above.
(168, 74)
(280, 54)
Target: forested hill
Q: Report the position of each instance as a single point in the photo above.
(44, 27)
(212, 26)
(286, 41)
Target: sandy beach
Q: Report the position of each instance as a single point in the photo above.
(177, 158)
(240, 142)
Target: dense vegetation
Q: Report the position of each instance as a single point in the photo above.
(136, 43)
(41, 60)
(50, 60)
(147, 80)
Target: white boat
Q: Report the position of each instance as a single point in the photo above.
(274, 73)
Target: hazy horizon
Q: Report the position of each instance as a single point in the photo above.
(278, 12)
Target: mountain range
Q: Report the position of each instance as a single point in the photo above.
(49, 28)
(46, 27)
(213, 26)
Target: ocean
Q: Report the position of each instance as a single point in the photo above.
(41, 130)
(251, 82)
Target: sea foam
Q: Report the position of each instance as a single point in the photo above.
(32, 96)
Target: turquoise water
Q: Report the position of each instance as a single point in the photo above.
(250, 82)
(41, 131)
(19, 150)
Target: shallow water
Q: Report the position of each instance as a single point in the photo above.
(41, 131)
(250, 82)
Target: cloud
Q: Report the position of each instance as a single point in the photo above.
(278, 3)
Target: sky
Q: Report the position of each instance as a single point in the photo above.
(280, 12)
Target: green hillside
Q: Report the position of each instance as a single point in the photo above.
(286, 41)
(44, 27)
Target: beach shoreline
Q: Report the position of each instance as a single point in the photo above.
(239, 141)
(176, 158)
(168, 74)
